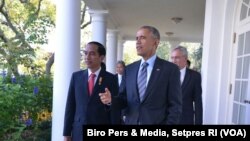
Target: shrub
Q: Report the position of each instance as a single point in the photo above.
(25, 107)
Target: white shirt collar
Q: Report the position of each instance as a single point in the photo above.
(96, 73)
(150, 61)
(119, 79)
(183, 72)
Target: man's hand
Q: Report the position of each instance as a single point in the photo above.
(105, 97)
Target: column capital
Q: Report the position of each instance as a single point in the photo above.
(112, 31)
(98, 15)
(98, 12)
(121, 41)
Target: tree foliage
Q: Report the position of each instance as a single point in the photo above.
(130, 54)
(163, 50)
(24, 24)
(25, 107)
(195, 54)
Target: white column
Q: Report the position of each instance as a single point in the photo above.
(111, 57)
(120, 49)
(99, 25)
(212, 59)
(67, 59)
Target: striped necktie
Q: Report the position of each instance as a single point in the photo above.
(142, 80)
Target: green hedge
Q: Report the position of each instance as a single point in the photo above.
(25, 108)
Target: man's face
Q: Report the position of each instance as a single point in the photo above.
(179, 59)
(119, 68)
(92, 58)
(146, 44)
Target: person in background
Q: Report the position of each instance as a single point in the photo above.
(192, 112)
(188, 63)
(84, 105)
(150, 88)
(120, 66)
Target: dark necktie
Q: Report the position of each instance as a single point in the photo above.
(142, 80)
(91, 83)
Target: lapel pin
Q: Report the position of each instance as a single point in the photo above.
(100, 81)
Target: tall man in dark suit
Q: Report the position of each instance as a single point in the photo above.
(83, 103)
(191, 88)
(150, 87)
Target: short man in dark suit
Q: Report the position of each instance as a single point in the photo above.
(150, 88)
(120, 67)
(84, 106)
(191, 88)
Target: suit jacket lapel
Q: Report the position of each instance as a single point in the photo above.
(186, 79)
(134, 75)
(85, 77)
(154, 76)
(98, 83)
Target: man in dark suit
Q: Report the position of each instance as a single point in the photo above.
(150, 88)
(83, 103)
(120, 66)
(191, 88)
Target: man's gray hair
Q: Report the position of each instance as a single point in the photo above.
(181, 49)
